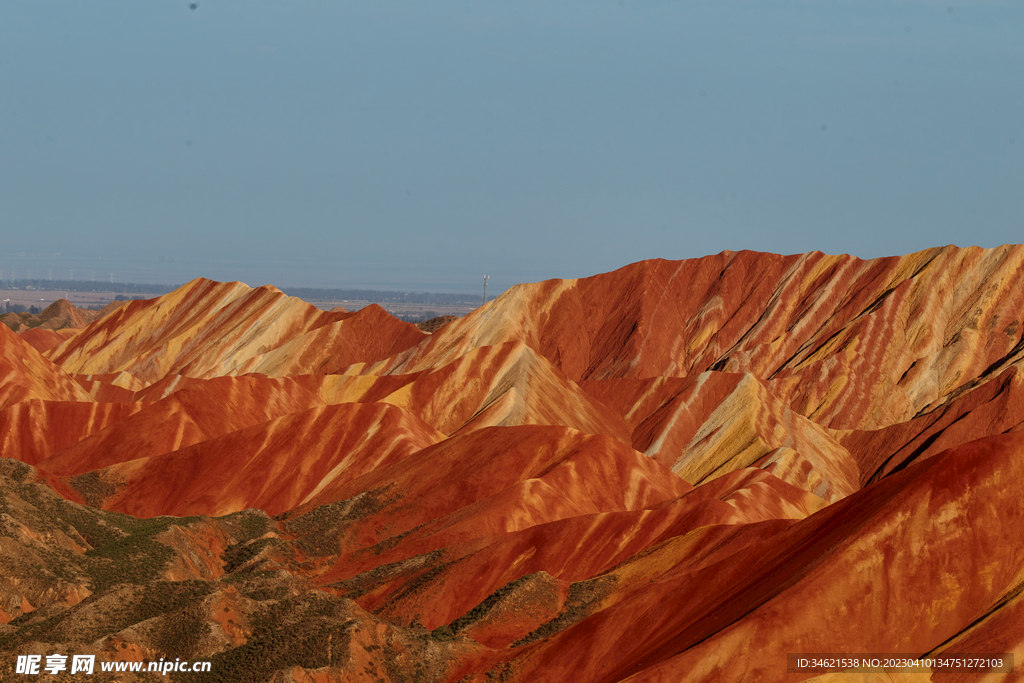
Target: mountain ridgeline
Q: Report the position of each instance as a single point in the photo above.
(676, 471)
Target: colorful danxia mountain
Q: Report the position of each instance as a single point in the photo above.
(676, 471)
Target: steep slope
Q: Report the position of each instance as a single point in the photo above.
(368, 335)
(706, 425)
(806, 322)
(479, 464)
(62, 314)
(42, 340)
(471, 562)
(26, 375)
(274, 466)
(117, 387)
(196, 413)
(674, 471)
(504, 385)
(33, 430)
(797, 591)
(203, 329)
(995, 407)
(122, 589)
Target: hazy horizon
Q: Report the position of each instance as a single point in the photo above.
(84, 270)
(391, 145)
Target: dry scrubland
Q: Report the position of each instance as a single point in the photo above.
(677, 471)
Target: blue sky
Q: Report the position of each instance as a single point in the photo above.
(419, 145)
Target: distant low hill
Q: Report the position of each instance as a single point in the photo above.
(138, 290)
(59, 315)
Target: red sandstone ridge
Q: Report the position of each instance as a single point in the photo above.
(208, 329)
(679, 470)
(27, 375)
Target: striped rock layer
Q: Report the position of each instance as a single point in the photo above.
(679, 470)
